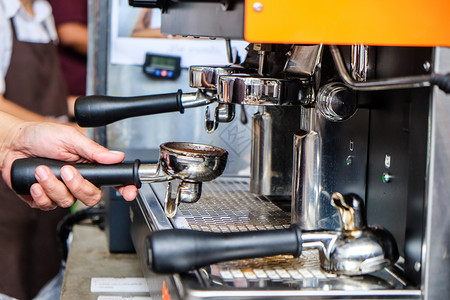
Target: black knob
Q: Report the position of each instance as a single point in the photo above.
(442, 81)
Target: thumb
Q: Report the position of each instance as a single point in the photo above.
(108, 156)
(92, 151)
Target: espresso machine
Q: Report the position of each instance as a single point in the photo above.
(348, 133)
(349, 169)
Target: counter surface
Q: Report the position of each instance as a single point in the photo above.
(89, 257)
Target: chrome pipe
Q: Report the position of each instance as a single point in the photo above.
(377, 84)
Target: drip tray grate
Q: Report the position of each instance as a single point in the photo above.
(227, 206)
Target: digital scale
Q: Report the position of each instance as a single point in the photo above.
(162, 66)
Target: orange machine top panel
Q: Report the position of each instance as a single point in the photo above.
(370, 22)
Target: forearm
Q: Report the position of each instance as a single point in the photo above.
(9, 128)
(74, 35)
(19, 112)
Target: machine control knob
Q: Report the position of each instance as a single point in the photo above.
(336, 102)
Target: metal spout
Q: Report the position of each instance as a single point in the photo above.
(187, 192)
(357, 248)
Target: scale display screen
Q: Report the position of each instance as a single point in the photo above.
(162, 66)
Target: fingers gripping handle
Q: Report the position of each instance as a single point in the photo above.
(96, 110)
(180, 250)
(22, 173)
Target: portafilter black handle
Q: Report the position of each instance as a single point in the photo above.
(97, 110)
(22, 173)
(180, 250)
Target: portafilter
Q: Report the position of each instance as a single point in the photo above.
(100, 110)
(354, 250)
(191, 163)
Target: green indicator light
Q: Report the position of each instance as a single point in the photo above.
(349, 160)
(386, 177)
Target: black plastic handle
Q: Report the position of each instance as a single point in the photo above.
(180, 250)
(22, 173)
(442, 81)
(160, 3)
(97, 110)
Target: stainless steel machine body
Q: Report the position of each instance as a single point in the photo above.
(228, 206)
(381, 153)
(380, 134)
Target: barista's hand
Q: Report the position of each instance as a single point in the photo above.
(30, 139)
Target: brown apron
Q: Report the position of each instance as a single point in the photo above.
(29, 256)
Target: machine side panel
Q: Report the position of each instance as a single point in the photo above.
(436, 263)
(398, 146)
(393, 23)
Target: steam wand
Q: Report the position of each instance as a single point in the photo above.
(417, 81)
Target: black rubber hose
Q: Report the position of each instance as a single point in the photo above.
(65, 226)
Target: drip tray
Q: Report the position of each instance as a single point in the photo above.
(227, 206)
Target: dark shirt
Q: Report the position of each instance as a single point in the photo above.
(73, 64)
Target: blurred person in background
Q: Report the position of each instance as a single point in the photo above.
(148, 24)
(31, 88)
(71, 19)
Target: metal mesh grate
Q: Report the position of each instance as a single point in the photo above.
(227, 206)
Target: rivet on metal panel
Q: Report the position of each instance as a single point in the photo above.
(427, 66)
(258, 6)
(417, 266)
